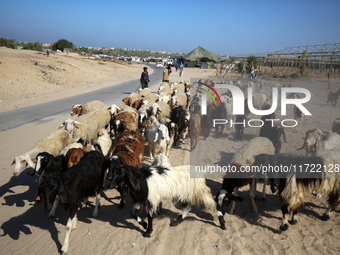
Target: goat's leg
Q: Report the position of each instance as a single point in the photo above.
(333, 202)
(180, 218)
(95, 211)
(84, 203)
(71, 222)
(147, 233)
(294, 215)
(54, 207)
(284, 222)
(122, 191)
(233, 203)
(251, 195)
(184, 135)
(134, 215)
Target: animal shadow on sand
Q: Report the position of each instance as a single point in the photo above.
(35, 216)
(18, 199)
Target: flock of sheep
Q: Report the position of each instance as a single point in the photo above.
(103, 148)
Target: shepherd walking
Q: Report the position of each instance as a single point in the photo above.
(144, 78)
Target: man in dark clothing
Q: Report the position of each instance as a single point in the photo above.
(144, 78)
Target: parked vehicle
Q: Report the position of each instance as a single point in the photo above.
(159, 64)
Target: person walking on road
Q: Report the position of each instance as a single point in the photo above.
(144, 78)
(181, 67)
(166, 73)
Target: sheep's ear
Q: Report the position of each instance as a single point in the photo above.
(13, 162)
(61, 125)
(77, 122)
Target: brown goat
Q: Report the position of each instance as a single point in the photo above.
(195, 128)
(317, 141)
(130, 148)
(74, 155)
(127, 101)
(137, 104)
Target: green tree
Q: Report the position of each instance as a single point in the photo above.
(252, 60)
(33, 46)
(239, 67)
(62, 44)
(8, 43)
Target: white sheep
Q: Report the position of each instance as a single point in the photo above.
(179, 87)
(131, 98)
(53, 143)
(244, 157)
(103, 142)
(160, 110)
(164, 97)
(79, 109)
(84, 128)
(162, 160)
(144, 92)
(102, 117)
(164, 87)
(179, 99)
(114, 109)
(157, 137)
(150, 98)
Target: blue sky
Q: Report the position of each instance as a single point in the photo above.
(223, 27)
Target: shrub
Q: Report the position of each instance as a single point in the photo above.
(33, 46)
(8, 43)
(254, 60)
(62, 44)
(239, 67)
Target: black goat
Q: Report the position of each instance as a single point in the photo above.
(207, 121)
(239, 128)
(333, 97)
(178, 116)
(73, 185)
(273, 133)
(220, 113)
(47, 165)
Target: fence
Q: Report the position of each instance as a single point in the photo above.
(320, 59)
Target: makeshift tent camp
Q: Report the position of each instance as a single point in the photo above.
(208, 65)
(200, 55)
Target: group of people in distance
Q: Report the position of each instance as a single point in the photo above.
(145, 79)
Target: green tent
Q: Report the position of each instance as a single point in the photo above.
(200, 55)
